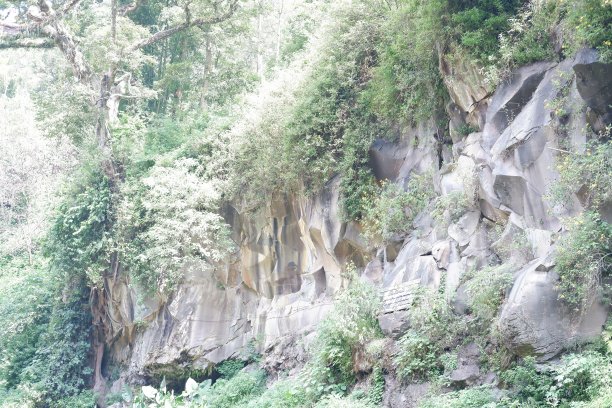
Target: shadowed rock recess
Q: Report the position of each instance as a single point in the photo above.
(281, 281)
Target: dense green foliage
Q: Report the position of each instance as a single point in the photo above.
(326, 130)
(61, 366)
(418, 358)
(583, 251)
(80, 238)
(170, 225)
(587, 173)
(48, 351)
(486, 289)
(478, 24)
(468, 398)
(45, 336)
(406, 83)
(237, 391)
(581, 379)
(22, 323)
(229, 368)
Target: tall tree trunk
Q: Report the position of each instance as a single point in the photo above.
(279, 30)
(260, 59)
(207, 73)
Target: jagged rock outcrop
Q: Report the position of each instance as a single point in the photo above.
(281, 282)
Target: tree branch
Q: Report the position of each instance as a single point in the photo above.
(41, 42)
(69, 6)
(45, 22)
(13, 29)
(64, 40)
(41, 16)
(198, 22)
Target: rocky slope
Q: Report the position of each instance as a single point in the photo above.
(281, 281)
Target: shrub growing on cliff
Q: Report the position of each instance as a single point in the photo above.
(434, 329)
(588, 23)
(486, 289)
(469, 398)
(588, 174)
(418, 357)
(583, 260)
(393, 209)
(330, 129)
(455, 204)
(526, 39)
(285, 393)
(478, 23)
(229, 368)
(317, 126)
(578, 380)
(352, 323)
(80, 238)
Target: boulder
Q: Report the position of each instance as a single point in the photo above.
(466, 85)
(468, 370)
(535, 322)
(398, 395)
(394, 324)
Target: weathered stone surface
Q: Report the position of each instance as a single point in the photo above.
(594, 84)
(509, 99)
(442, 251)
(468, 366)
(289, 264)
(394, 324)
(398, 395)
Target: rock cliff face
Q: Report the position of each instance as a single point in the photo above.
(281, 281)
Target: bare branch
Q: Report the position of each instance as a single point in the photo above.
(13, 29)
(38, 16)
(27, 43)
(69, 6)
(198, 22)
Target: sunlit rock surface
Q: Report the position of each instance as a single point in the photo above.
(280, 283)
